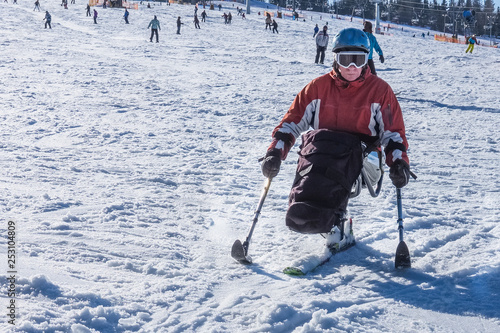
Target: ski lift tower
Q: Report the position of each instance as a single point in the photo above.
(489, 26)
(377, 14)
(248, 6)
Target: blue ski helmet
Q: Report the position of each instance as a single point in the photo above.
(351, 39)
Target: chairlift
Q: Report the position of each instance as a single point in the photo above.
(416, 20)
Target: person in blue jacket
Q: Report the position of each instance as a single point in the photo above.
(373, 45)
(125, 16)
(316, 30)
(472, 40)
(155, 26)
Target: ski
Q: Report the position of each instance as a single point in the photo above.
(305, 265)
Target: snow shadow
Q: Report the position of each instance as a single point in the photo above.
(465, 292)
(462, 294)
(261, 271)
(448, 106)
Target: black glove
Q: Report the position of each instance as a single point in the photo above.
(399, 173)
(272, 163)
(381, 58)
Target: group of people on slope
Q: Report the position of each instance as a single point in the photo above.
(227, 18)
(271, 23)
(155, 26)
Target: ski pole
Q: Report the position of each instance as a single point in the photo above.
(400, 214)
(402, 253)
(239, 251)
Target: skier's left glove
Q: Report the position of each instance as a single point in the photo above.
(272, 163)
(381, 58)
(399, 173)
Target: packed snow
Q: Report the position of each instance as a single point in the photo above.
(130, 168)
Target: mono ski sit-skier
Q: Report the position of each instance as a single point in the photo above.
(347, 117)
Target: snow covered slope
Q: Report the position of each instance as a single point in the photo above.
(131, 167)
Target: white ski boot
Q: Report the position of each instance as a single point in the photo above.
(337, 241)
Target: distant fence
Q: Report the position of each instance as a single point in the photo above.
(443, 38)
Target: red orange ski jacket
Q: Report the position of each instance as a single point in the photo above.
(366, 107)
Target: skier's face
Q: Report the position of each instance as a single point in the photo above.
(351, 73)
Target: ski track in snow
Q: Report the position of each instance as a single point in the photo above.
(131, 167)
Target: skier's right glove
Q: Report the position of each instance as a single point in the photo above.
(272, 163)
(381, 58)
(399, 173)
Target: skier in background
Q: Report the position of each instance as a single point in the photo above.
(203, 16)
(472, 40)
(95, 16)
(47, 19)
(88, 10)
(373, 45)
(275, 26)
(155, 26)
(347, 103)
(125, 16)
(321, 45)
(269, 21)
(316, 30)
(37, 5)
(179, 23)
(196, 22)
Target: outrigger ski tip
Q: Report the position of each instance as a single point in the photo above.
(402, 259)
(238, 253)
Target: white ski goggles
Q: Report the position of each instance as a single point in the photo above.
(348, 58)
